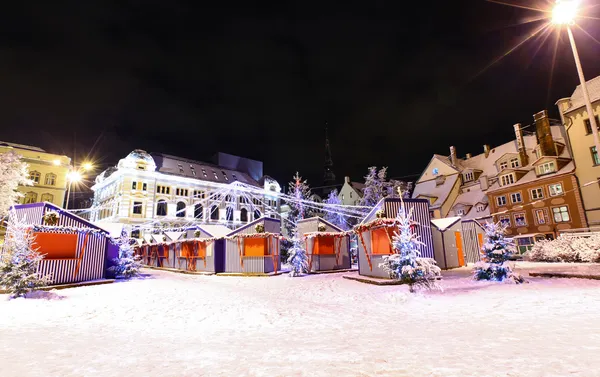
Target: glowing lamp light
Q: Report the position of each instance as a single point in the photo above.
(564, 12)
(56, 162)
(87, 166)
(74, 176)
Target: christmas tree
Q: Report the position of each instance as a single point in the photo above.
(374, 188)
(297, 258)
(13, 172)
(300, 193)
(19, 261)
(497, 250)
(335, 216)
(127, 264)
(407, 265)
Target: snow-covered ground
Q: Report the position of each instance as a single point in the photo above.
(180, 325)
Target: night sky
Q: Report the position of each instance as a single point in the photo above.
(394, 82)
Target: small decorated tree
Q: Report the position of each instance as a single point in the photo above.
(128, 264)
(497, 250)
(297, 258)
(407, 265)
(260, 228)
(19, 261)
(51, 218)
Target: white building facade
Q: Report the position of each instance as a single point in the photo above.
(157, 190)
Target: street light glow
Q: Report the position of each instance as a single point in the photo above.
(87, 166)
(56, 162)
(564, 12)
(74, 176)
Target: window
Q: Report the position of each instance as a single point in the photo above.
(180, 209)
(503, 165)
(141, 167)
(180, 168)
(595, 159)
(537, 193)
(144, 186)
(193, 171)
(47, 198)
(588, 125)
(199, 194)
(541, 216)
(548, 167)
(504, 220)
(507, 179)
(137, 208)
(229, 213)
(520, 219)
(50, 179)
(501, 200)
(225, 175)
(30, 197)
(480, 208)
(342, 196)
(204, 173)
(198, 209)
(181, 192)
(468, 176)
(214, 213)
(34, 176)
(561, 214)
(555, 189)
(515, 197)
(460, 212)
(161, 208)
(228, 198)
(215, 174)
(134, 185)
(257, 214)
(244, 215)
(350, 194)
(514, 163)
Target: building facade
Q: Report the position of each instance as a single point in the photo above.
(47, 171)
(157, 190)
(529, 184)
(576, 119)
(351, 192)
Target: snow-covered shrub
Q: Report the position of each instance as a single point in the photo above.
(566, 249)
(497, 249)
(19, 261)
(297, 258)
(128, 264)
(407, 265)
(13, 172)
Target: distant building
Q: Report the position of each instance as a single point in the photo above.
(587, 164)
(351, 192)
(172, 191)
(47, 171)
(529, 183)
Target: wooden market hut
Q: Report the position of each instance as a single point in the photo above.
(249, 250)
(327, 246)
(473, 235)
(375, 233)
(74, 249)
(448, 242)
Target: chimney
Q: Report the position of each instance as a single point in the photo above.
(521, 145)
(544, 134)
(347, 179)
(468, 156)
(486, 150)
(453, 158)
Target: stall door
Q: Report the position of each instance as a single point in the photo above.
(459, 249)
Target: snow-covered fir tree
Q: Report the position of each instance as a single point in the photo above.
(374, 188)
(19, 261)
(395, 187)
(300, 192)
(497, 249)
(406, 264)
(297, 258)
(335, 215)
(13, 172)
(127, 264)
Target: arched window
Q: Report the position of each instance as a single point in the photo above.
(30, 197)
(214, 213)
(50, 180)
(34, 176)
(47, 198)
(161, 208)
(180, 209)
(228, 198)
(257, 214)
(229, 214)
(244, 215)
(198, 209)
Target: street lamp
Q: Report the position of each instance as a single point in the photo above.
(564, 13)
(75, 176)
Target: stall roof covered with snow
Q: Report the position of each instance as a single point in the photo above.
(448, 242)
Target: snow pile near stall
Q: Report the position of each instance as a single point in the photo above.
(566, 249)
(185, 325)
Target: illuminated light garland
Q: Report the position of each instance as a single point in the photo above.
(255, 235)
(311, 235)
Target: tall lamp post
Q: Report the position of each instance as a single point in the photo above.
(564, 13)
(75, 176)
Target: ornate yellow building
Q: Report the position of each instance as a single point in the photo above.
(47, 171)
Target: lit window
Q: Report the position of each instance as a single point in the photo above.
(50, 179)
(537, 193)
(30, 197)
(504, 220)
(548, 167)
(595, 159)
(507, 179)
(501, 200)
(555, 189)
(47, 198)
(541, 216)
(34, 176)
(133, 185)
(215, 174)
(588, 125)
(514, 163)
(468, 176)
(515, 197)
(137, 208)
(144, 186)
(204, 173)
(561, 214)
(520, 219)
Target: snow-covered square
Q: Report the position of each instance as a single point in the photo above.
(170, 324)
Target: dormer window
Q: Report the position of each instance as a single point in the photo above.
(180, 168)
(503, 165)
(225, 175)
(440, 180)
(547, 168)
(514, 163)
(480, 208)
(204, 173)
(460, 212)
(193, 171)
(469, 176)
(215, 174)
(507, 179)
(141, 167)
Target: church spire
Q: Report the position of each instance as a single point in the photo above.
(329, 176)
